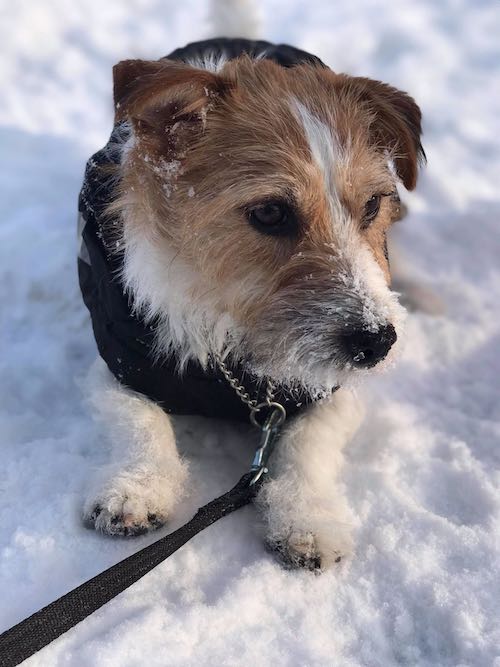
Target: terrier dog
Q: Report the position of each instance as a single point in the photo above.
(250, 195)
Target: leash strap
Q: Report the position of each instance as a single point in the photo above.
(38, 630)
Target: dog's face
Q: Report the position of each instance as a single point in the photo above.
(256, 201)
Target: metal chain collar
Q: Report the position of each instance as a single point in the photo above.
(252, 403)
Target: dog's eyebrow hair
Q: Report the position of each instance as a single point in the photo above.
(285, 196)
(325, 148)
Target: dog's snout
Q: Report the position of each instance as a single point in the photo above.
(367, 348)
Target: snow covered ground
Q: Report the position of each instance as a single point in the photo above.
(422, 476)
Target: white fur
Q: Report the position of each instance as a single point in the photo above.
(210, 61)
(326, 152)
(163, 286)
(145, 476)
(303, 502)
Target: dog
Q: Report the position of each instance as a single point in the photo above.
(240, 214)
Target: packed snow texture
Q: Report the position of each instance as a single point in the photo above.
(422, 475)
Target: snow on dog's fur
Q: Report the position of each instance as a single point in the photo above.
(254, 203)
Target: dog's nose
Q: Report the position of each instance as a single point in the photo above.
(367, 348)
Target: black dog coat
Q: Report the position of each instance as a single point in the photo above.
(124, 341)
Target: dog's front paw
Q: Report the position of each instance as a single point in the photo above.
(309, 550)
(118, 521)
(297, 550)
(130, 504)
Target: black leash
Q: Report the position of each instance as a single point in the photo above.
(45, 625)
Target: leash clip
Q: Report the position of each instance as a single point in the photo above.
(269, 432)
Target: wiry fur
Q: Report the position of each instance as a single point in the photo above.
(146, 478)
(207, 144)
(306, 514)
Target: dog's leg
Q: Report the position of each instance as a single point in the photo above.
(138, 489)
(305, 512)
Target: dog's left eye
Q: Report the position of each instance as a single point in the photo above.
(372, 208)
(272, 217)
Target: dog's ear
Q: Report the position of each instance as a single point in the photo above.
(395, 126)
(157, 94)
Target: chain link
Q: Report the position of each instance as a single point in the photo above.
(240, 390)
(270, 392)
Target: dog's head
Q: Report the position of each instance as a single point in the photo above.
(255, 203)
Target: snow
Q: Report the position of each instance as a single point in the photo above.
(422, 476)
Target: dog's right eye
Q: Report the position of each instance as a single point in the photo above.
(372, 208)
(272, 217)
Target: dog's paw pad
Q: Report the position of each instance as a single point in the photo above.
(126, 524)
(300, 550)
(130, 503)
